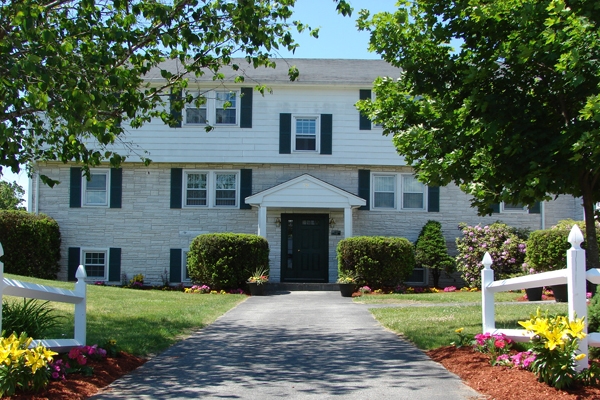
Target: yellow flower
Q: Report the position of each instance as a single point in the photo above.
(575, 328)
(579, 357)
(459, 330)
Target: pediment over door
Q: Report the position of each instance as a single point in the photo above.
(305, 191)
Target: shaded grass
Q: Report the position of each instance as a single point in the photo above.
(143, 322)
(432, 327)
(441, 297)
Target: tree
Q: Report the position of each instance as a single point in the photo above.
(431, 251)
(72, 71)
(513, 114)
(10, 196)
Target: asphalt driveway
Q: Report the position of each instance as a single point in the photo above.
(295, 345)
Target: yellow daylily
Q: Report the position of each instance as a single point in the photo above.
(579, 357)
(575, 328)
(459, 330)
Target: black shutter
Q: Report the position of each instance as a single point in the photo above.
(73, 262)
(433, 199)
(536, 208)
(114, 264)
(176, 187)
(495, 208)
(364, 187)
(246, 108)
(285, 133)
(116, 187)
(75, 188)
(326, 133)
(364, 123)
(175, 266)
(175, 113)
(245, 188)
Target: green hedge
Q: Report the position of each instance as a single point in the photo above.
(547, 248)
(31, 244)
(376, 260)
(226, 260)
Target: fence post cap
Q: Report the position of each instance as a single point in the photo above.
(80, 274)
(487, 260)
(575, 237)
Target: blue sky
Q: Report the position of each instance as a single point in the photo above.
(338, 38)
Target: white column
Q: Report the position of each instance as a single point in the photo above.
(80, 307)
(347, 222)
(576, 281)
(262, 221)
(487, 297)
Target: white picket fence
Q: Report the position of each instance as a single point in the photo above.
(574, 276)
(12, 287)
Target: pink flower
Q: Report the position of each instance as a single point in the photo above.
(500, 344)
(81, 359)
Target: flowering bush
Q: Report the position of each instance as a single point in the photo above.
(495, 345)
(521, 360)
(78, 358)
(364, 290)
(450, 289)
(505, 247)
(58, 369)
(555, 345)
(198, 289)
(21, 367)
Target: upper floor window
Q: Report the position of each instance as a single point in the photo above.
(95, 190)
(220, 108)
(398, 191)
(305, 133)
(210, 188)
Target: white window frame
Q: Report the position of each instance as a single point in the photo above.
(184, 271)
(211, 106)
(211, 188)
(522, 210)
(398, 193)
(83, 252)
(317, 119)
(84, 184)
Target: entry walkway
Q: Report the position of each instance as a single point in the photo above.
(295, 345)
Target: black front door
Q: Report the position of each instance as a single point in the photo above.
(304, 248)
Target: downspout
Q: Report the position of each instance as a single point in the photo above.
(543, 214)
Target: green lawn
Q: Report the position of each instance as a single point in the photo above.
(433, 327)
(143, 322)
(441, 297)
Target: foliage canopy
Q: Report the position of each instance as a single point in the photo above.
(511, 114)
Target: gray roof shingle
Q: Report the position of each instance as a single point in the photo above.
(312, 71)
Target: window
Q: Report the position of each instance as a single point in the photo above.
(210, 188)
(384, 191)
(417, 276)
(305, 134)
(413, 193)
(220, 108)
(398, 191)
(196, 192)
(517, 208)
(95, 263)
(95, 190)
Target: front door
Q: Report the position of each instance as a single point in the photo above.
(304, 248)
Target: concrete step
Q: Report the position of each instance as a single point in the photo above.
(297, 287)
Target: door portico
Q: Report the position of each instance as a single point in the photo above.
(303, 194)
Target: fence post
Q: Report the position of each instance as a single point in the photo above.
(80, 315)
(487, 306)
(576, 281)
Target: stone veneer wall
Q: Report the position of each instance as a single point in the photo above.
(146, 228)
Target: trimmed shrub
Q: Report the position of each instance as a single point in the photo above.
(226, 260)
(505, 247)
(431, 251)
(376, 260)
(31, 244)
(547, 248)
